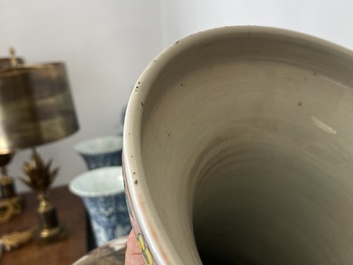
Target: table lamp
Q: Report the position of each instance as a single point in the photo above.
(9, 201)
(36, 108)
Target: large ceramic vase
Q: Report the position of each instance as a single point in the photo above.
(238, 148)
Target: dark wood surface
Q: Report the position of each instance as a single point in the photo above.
(70, 213)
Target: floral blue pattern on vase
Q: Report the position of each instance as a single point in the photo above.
(102, 193)
(101, 151)
(109, 217)
(102, 160)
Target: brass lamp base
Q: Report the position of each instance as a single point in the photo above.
(46, 233)
(49, 227)
(10, 203)
(39, 177)
(49, 235)
(7, 187)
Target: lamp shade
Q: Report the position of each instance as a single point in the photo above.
(36, 106)
(6, 62)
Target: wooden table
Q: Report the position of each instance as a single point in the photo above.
(70, 213)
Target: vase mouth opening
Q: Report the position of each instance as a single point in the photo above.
(259, 202)
(238, 149)
(99, 182)
(100, 145)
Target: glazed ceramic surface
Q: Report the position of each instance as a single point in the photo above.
(111, 253)
(238, 148)
(102, 192)
(101, 151)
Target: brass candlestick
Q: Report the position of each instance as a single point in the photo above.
(10, 204)
(39, 178)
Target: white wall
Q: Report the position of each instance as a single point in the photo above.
(328, 19)
(105, 45)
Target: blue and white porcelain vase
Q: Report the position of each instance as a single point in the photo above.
(101, 151)
(102, 192)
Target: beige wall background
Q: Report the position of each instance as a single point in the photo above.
(107, 44)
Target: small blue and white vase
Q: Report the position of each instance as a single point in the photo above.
(102, 192)
(101, 151)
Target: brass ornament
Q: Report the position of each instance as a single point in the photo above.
(39, 177)
(16, 239)
(9, 208)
